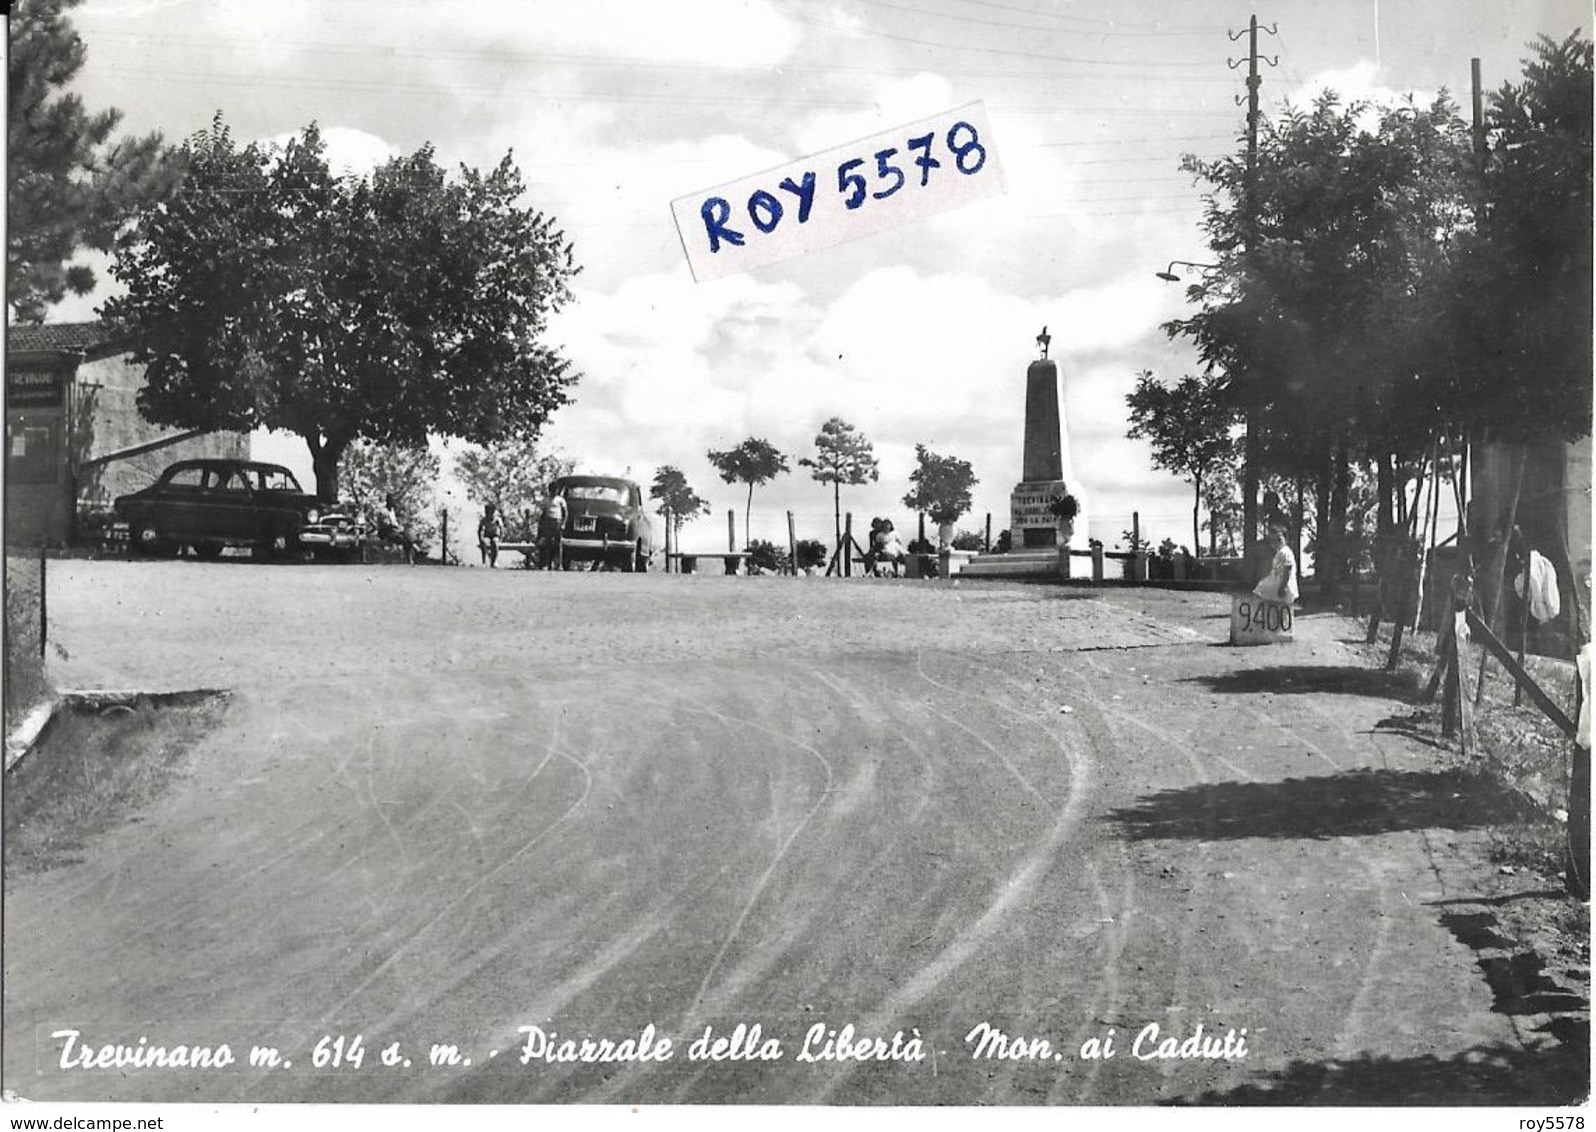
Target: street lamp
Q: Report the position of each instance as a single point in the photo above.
(1168, 274)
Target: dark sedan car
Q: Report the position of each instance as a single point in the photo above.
(605, 521)
(213, 504)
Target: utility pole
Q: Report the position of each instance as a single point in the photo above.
(1250, 456)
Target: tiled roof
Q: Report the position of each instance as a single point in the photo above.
(63, 336)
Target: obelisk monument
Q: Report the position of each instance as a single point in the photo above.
(1046, 470)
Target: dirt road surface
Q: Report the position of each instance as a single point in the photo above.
(498, 810)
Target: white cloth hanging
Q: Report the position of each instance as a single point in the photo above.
(1544, 602)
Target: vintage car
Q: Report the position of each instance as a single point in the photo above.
(213, 504)
(604, 522)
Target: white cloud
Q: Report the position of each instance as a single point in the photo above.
(349, 151)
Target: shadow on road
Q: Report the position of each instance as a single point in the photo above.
(1300, 679)
(1480, 1075)
(1353, 803)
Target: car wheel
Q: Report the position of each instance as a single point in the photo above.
(209, 551)
(627, 562)
(272, 548)
(148, 539)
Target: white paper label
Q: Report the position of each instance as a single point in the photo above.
(892, 178)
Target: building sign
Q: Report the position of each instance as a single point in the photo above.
(35, 389)
(893, 178)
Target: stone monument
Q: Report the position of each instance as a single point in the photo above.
(1045, 471)
(1039, 543)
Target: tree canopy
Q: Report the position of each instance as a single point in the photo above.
(842, 456)
(1386, 288)
(1521, 346)
(940, 486)
(678, 502)
(513, 475)
(269, 294)
(752, 462)
(70, 186)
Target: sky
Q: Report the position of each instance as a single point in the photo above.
(918, 334)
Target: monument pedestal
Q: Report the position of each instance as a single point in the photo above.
(1032, 524)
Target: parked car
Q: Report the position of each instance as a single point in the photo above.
(605, 522)
(213, 504)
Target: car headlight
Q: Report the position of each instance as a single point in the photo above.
(312, 516)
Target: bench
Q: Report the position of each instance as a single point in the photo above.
(688, 563)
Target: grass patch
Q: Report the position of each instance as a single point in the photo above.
(95, 768)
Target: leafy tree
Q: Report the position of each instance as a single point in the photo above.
(1333, 266)
(842, 456)
(941, 486)
(752, 462)
(1188, 425)
(69, 186)
(513, 475)
(373, 472)
(678, 502)
(269, 294)
(1521, 328)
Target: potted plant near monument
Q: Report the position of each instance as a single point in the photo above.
(941, 489)
(1064, 507)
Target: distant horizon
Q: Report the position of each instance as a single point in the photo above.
(918, 334)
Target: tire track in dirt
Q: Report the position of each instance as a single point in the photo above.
(1021, 880)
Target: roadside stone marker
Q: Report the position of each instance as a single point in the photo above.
(1258, 621)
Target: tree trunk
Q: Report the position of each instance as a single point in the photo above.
(1341, 488)
(748, 517)
(1196, 514)
(1321, 516)
(836, 498)
(1385, 489)
(325, 456)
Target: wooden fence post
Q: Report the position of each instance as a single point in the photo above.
(792, 545)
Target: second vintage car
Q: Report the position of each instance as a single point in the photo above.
(213, 504)
(604, 522)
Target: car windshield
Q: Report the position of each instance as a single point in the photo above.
(600, 492)
(274, 479)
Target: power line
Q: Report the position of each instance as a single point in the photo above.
(718, 67)
(1140, 31)
(878, 34)
(645, 98)
(1087, 20)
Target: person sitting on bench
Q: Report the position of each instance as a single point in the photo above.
(389, 529)
(886, 548)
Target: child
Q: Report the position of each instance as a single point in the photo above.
(488, 531)
(1280, 584)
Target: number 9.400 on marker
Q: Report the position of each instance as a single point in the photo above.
(891, 178)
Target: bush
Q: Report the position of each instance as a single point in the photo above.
(811, 552)
(969, 540)
(766, 557)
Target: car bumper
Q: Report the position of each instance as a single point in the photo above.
(588, 542)
(335, 540)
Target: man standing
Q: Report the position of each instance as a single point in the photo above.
(551, 532)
